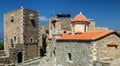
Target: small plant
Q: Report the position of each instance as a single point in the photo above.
(1, 45)
(42, 51)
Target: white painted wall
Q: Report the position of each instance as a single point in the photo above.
(79, 27)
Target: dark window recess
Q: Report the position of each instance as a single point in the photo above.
(69, 56)
(47, 31)
(11, 40)
(33, 22)
(19, 57)
(64, 31)
(85, 28)
(12, 19)
(31, 40)
(54, 53)
(15, 38)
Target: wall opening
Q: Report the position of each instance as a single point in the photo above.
(54, 53)
(20, 57)
(14, 38)
(85, 28)
(12, 19)
(33, 22)
(31, 40)
(44, 44)
(69, 56)
(11, 41)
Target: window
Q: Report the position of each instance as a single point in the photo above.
(11, 40)
(64, 32)
(33, 22)
(85, 28)
(12, 19)
(69, 56)
(54, 53)
(31, 40)
(31, 16)
(14, 38)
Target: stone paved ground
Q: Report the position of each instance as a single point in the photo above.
(115, 63)
(31, 63)
(44, 61)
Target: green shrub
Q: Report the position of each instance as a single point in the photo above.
(1, 45)
(42, 51)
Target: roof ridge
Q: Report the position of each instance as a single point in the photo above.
(80, 18)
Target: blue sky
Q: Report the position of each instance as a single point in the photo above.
(106, 13)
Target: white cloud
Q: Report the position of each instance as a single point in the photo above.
(43, 18)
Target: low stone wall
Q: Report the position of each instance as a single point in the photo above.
(2, 53)
(101, 63)
(4, 60)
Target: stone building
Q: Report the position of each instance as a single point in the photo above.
(21, 33)
(65, 41)
(87, 48)
(84, 48)
(59, 25)
(62, 24)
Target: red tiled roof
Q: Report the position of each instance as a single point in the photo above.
(86, 36)
(80, 18)
(113, 43)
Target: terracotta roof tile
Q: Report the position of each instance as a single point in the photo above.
(86, 36)
(113, 43)
(80, 18)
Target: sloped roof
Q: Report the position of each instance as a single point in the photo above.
(86, 36)
(113, 43)
(80, 18)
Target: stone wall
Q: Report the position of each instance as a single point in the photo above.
(13, 53)
(93, 27)
(2, 53)
(31, 26)
(80, 53)
(4, 60)
(31, 51)
(63, 24)
(105, 52)
(12, 29)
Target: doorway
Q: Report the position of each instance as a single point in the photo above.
(20, 57)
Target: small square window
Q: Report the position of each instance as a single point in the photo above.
(12, 19)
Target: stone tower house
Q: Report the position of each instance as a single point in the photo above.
(21, 31)
(59, 25)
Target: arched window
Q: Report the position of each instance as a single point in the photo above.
(31, 40)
